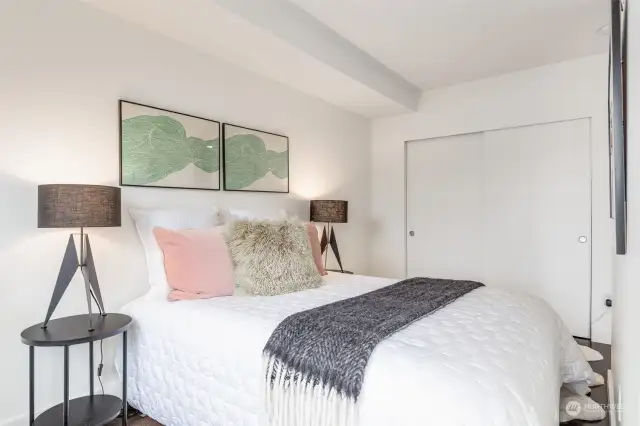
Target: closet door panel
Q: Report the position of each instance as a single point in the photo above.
(537, 219)
(445, 207)
(510, 208)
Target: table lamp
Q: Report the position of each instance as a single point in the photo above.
(329, 211)
(78, 206)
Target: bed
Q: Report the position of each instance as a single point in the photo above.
(491, 358)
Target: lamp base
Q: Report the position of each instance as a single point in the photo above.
(70, 264)
(333, 243)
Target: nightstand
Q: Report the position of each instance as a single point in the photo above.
(90, 410)
(339, 271)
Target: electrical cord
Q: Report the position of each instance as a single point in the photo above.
(600, 317)
(101, 365)
(132, 412)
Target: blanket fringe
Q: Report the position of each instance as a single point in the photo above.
(296, 399)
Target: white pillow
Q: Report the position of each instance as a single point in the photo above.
(240, 214)
(579, 407)
(146, 220)
(591, 354)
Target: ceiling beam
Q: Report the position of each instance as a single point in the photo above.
(302, 30)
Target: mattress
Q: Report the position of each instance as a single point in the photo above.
(491, 358)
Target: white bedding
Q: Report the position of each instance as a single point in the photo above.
(492, 358)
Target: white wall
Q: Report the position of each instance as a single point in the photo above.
(565, 91)
(626, 317)
(63, 67)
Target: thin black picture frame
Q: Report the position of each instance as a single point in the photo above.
(617, 122)
(122, 101)
(224, 162)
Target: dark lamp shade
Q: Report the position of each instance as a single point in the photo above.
(78, 206)
(331, 211)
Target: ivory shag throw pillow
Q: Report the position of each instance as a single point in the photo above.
(271, 257)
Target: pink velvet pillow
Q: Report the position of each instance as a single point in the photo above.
(312, 231)
(197, 263)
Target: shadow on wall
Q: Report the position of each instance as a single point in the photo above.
(263, 203)
(21, 260)
(30, 257)
(18, 210)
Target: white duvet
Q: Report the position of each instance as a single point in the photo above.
(492, 358)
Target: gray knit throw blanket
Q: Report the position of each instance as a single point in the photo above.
(315, 360)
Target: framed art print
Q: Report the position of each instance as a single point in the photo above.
(166, 149)
(254, 160)
(617, 123)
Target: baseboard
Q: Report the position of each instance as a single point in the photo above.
(16, 421)
(112, 387)
(613, 413)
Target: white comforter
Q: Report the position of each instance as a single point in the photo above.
(492, 358)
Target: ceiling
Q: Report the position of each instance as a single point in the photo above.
(375, 57)
(436, 43)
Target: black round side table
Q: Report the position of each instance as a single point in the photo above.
(91, 410)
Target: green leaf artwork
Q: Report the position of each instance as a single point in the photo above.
(154, 147)
(248, 160)
(205, 154)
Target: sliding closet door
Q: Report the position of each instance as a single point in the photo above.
(444, 207)
(510, 208)
(537, 192)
